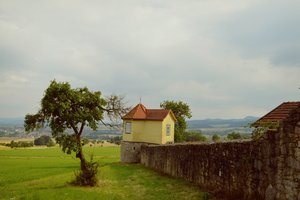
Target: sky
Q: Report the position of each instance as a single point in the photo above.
(225, 59)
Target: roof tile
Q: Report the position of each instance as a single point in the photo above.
(140, 112)
(280, 113)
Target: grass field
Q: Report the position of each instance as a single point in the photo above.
(45, 173)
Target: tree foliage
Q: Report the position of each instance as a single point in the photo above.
(181, 111)
(68, 110)
(195, 136)
(234, 136)
(261, 128)
(19, 144)
(42, 140)
(216, 138)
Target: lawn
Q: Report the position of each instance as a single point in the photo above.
(45, 173)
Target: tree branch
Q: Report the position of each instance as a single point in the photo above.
(74, 128)
(81, 128)
(105, 124)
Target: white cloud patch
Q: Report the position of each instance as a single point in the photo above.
(225, 59)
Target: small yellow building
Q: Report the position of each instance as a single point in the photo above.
(149, 125)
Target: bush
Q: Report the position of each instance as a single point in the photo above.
(216, 138)
(234, 136)
(14, 144)
(51, 144)
(194, 136)
(43, 140)
(87, 177)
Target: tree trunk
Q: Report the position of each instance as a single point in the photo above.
(83, 163)
(80, 155)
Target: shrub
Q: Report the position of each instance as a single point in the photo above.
(87, 177)
(216, 138)
(42, 140)
(14, 144)
(51, 144)
(234, 136)
(194, 136)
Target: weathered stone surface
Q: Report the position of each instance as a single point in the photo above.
(131, 152)
(270, 193)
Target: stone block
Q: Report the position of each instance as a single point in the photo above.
(297, 129)
(283, 149)
(293, 163)
(270, 193)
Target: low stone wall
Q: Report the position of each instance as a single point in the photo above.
(265, 169)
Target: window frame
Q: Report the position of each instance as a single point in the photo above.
(128, 127)
(168, 130)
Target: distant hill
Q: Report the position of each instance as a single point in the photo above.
(17, 121)
(220, 123)
(222, 126)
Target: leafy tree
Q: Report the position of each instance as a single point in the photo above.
(194, 136)
(50, 143)
(234, 136)
(181, 111)
(67, 111)
(42, 140)
(216, 138)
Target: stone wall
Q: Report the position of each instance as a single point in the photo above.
(131, 152)
(265, 169)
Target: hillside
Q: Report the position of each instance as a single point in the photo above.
(222, 126)
(14, 127)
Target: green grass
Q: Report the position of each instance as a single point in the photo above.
(46, 173)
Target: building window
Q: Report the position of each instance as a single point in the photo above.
(168, 130)
(128, 127)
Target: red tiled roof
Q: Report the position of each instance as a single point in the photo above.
(140, 112)
(279, 113)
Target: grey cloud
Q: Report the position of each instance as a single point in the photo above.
(156, 50)
(268, 29)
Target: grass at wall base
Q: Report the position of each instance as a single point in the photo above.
(46, 173)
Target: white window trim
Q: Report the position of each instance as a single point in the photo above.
(128, 127)
(168, 130)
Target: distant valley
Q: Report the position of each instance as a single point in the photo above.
(222, 126)
(14, 127)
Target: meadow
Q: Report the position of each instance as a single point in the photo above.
(46, 173)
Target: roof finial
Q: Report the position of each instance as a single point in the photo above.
(140, 100)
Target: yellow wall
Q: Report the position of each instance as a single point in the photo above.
(168, 120)
(149, 131)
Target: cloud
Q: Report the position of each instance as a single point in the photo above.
(267, 29)
(223, 58)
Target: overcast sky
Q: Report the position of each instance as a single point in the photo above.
(226, 59)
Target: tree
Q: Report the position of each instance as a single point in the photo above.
(216, 138)
(181, 111)
(42, 140)
(67, 111)
(194, 136)
(234, 136)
